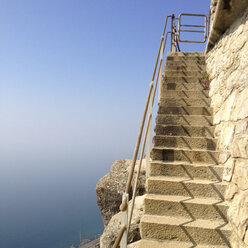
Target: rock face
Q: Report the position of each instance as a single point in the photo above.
(110, 233)
(212, 11)
(109, 189)
(227, 65)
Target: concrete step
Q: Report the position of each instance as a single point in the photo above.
(184, 101)
(185, 58)
(182, 86)
(185, 93)
(190, 131)
(180, 73)
(203, 232)
(189, 120)
(190, 143)
(186, 54)
(185, 63)
(185, 187)
(182, 79)
(183, 206)
(186, 67)
(185, 155)
(187, 170)
(151, 243)
(185, 110)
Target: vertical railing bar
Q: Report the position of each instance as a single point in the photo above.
(130, 177)
(161, 41)
(173, 47)
(119, 236)
(146, 133)
(166, 36)
(160, 74)
(124, 222)
(205, 29)
(138, 172)
(144, 115)
(124, 204)
(148, 141)
(155, 87)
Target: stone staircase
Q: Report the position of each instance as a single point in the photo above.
(184, 206)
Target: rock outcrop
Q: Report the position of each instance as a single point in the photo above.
(110, 233)
(109, 189)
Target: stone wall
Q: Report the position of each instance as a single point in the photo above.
(227, 66)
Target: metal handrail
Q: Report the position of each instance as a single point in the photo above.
(149, 101)
(194, 26)
(175, 39)
(128, 186)
(120, 234)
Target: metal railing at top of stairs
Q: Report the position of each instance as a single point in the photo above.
(122, 236)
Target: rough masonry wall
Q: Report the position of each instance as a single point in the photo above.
(227, 65)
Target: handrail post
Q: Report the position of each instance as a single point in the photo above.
(160, 71)
(124, 221)
(148, 140)
(173, 44)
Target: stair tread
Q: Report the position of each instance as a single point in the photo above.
(193, 98)
(206, 92)
(186, 222)
(150, 243)
(186, 137)
(184, 86)
(186, 54)
(183, 149)
(184, 76)
(184, 180)
(192, 143)
(186, 62)
(182, 70)
(186, 107)
(194, 67)
(186, 199)
(186, 110)
(189, 126)
(186, 163)
(186, 116)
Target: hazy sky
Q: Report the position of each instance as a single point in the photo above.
(74, 77)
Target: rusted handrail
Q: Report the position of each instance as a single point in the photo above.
(130, 177)
(150, 99)
(194, 26)
(147, 136)
(138, 172)
(119, 236)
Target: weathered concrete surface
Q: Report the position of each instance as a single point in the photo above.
(227, 65)
(109, 189)
(170, 228)
(185, 192)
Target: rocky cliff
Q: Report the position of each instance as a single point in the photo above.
(109, 191)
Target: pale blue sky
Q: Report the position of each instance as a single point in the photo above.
(74, 77)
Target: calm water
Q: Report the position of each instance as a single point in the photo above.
(46, 204)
